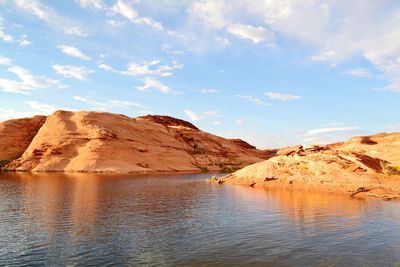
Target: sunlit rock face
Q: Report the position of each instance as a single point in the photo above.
(360, 166)
(105, 142)
(16, 135)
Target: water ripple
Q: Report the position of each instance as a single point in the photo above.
(100, 220)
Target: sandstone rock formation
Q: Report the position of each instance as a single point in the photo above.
(360, 166)
(385, 146)
(104, 142)
(16, 135)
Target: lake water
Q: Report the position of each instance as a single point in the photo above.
(100, 220)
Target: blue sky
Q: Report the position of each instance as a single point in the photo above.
(273, 72)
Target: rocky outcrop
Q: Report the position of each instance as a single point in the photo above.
(385, 146)
(104, 142)
(168, 121)
(16, 135)
(347, 168)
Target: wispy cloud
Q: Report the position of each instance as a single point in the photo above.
(282, 97)
(41, 107)
(146, 68)
(196, 116)
(212, 13)
(107, 105)
(151, 83)
(3, 35)
(96, 4)
(209, 91)
(329, 130)
(73, 52)
(5, 60)
(127, 11)
(8, 114)
(24, 42)
(27, 82)
(359, 72)
(79, 73)
(51, 17)
(253, 100)
(37, 108)
(255, 34)
(334, 29)
(116, 23)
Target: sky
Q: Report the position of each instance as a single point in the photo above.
(272, 72)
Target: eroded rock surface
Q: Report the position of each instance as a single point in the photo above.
(338, 168)
(104, 142)
(16, 135)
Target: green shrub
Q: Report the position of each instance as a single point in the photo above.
(390, 170)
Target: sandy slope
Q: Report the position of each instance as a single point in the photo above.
(104, 142)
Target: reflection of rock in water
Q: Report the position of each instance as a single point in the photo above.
(81, 219)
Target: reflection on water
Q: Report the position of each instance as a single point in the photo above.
(91, 219)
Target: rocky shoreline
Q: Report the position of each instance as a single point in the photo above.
(99, 142)
(322, 169)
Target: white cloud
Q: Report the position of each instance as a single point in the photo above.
(282, 97)
(51, 17)
(359, 72)
(255, 34)
(115, 23)
(152, 68)
(125, 10)
(27, 82)
(151, 83)
(75, 31)
(336, 30)
(209, 91)
(211, 12)
(43, 108)
(8, 114)
(240, 121)
(3, 35)
(73, 52)
(329, 130)
(110, 104)
(216, 123)
(96, 4)
(106, 67)
(146, 68)
(5, 60)
(24, 42)
(263, 140)
(169, 49)
(254, 100)
(38, 108)
(79, 73)
(201, 115)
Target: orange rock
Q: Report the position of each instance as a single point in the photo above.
(105, 142)
(16, 135)
(385, 146)
(335, 168)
